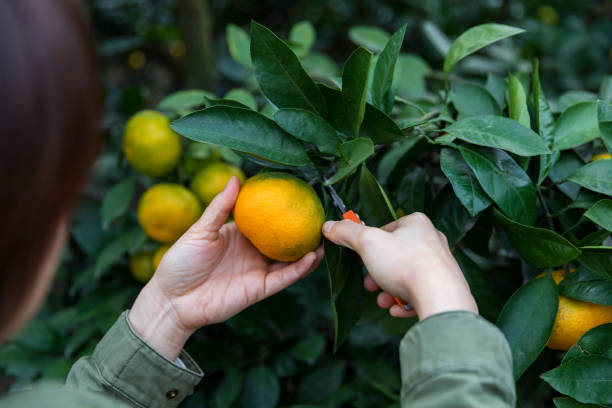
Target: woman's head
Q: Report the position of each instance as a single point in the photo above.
(48, 141)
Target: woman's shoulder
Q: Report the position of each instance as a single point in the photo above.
(55, 395)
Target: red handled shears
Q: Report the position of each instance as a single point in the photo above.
(353, 216)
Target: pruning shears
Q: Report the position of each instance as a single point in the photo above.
(353, 216)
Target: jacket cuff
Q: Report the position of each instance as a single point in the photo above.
(455, 341)
(138, 373)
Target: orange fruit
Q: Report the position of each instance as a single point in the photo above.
(574, 317)
(150, 145)
(280, 214)
(211, 180)
(159, 254)
(167, 210)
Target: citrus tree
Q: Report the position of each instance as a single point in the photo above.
(520, 186)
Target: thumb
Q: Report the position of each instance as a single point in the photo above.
(217, 211)
(348, 233)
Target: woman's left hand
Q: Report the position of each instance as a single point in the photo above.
(209, 275)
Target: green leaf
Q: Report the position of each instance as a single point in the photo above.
(354, 87)
(517, 102)
(112, 252)
(604, 115)
(504, 181)
(411, 190)
(243, 96)
(354, 152)
(242, 130)
(595, 176)
(499, 132)
(567, 164)
(481, 286)
(320, 66)
(261, 388)
(601, 214)
(309, 127)
(605, 89)
(279, 73)
(576, 126)
(183, 101)
(544, 123)
(379, 127)
(598, 259)
(309, 349)
(585, 378)
(538, 246)
(302, 34)
(474, 39)
(382, 78)
(239, 44)
(436, 37)
(572, 98)
(497, 87)
(225, 102)
(117, 200)
(473, 100)
(597, 341)
(587, 286)
(372, 38)
(409, 76)
(464, 181)
(566, 402)
(375, 208)
(451, 218)
(228, 391)
(347, 306)
(321, 382)
(527, 320)
(391, 167)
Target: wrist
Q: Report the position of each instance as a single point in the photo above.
(155, 320)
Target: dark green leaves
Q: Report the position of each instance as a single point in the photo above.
(504, 181)
(527, 320)
(309, 349)
(597, 341)
(587, 286)
(604, 113)
(354, 87)
(372, 38)
(598, 259)
(601, 214)
(474, 39)
(472, 100)
(117, 200)
(595, 176)
(586, 379)
(576, 126)
(517, 102)
(354, 152)
(261, 388)
(540, 247)
(464, 181)
(309, 127)
(500, 132)
(383, 72)
(375, 208)
(280, 75)
(242, 130)
(229, 389)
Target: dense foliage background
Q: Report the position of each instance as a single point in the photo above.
(282, 348)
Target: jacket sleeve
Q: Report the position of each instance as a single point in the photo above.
(127, 369)
(456, 359)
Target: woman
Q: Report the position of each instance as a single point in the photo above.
(49, 140)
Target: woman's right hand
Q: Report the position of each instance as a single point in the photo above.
(408, 258)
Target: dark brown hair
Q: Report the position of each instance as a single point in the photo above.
(49, 111)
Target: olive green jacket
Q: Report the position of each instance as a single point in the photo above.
(454, 359)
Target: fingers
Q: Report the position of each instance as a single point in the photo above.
(218, 211)
(283, 275)
(398, 311)
(369, 284)
(351, 234)
(386, 301)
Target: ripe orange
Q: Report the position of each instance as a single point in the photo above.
(211, 180)
(574, 318)
(150, 145)
(159, 254)
(280, 214)
(167, 210)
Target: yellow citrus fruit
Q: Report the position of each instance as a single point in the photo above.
(197, 156)
(141, 266)
(167, 210)
(574, 318)
(150, 145)
(600, 156)
(211, 180)
(280, 214)
(159, 254)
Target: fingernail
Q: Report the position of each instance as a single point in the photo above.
(328, 226)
